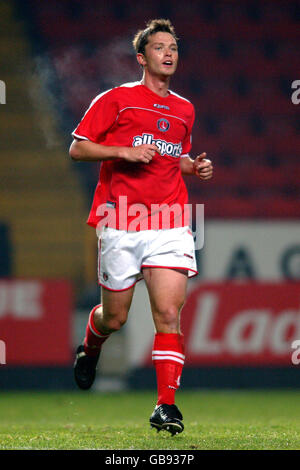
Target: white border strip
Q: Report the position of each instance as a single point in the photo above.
(182, 356)
(152, 111)
(171, 358)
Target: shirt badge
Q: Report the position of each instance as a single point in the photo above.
(163, 125)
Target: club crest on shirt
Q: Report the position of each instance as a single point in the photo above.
(163, 125)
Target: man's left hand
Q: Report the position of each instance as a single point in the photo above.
(202, 167)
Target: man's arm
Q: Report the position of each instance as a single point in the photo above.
(87, 151)
(187, 166)
(201, 166)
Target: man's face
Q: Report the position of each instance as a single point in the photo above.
(161, 54)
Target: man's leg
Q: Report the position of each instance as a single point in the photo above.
(167, 292)
(103, 320)
(114, 312)
(106, 318)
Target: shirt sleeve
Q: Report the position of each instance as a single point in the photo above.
(187, 142)
(98, 119)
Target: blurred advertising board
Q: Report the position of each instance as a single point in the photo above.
(230, 323)
(35, 321)
(242, 324)
(244, 306)
(241, 249)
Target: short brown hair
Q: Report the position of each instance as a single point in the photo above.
(153, 26)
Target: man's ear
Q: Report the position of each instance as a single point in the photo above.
(141, 59)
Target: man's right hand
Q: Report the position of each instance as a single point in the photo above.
(141, 153)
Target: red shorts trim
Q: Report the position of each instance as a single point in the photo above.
(119, 290)
(171, 267)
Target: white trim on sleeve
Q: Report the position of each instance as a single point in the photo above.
(185, 155)
(79, 136)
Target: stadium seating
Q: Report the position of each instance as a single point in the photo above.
(42, 202)
(238, 60)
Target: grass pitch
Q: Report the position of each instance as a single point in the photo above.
(90, 420)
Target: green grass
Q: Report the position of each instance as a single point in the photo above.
(87, 420)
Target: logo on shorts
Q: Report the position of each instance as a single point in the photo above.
(105, 276)
(163, 125)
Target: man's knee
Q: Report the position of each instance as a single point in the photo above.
(167, 317)
(114, 321)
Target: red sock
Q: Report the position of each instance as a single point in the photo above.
(93, 338)
(168, 359)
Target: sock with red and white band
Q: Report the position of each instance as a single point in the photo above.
(93, 338)
(168, 359)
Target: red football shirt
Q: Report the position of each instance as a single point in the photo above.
(131, 115)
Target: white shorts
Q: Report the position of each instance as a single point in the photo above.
(122, 255)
